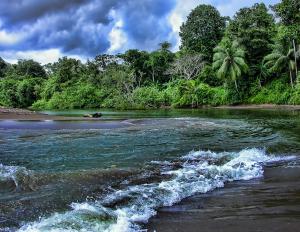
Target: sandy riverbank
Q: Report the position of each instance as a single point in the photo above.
(262, 106)
(27, 115)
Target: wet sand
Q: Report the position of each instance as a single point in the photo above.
(271, 203)
(27, 115)
(262, 106)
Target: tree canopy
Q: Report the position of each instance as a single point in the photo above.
(203, 30)
(251, 58)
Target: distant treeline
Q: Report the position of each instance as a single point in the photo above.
(252, 58)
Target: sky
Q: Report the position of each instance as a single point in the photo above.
(45, 30)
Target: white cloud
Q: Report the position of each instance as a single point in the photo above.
(9, 38)
(117, 38)
(41, 56)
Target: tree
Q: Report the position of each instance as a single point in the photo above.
(3, 67)
(165, 46)
(30, 68)
(26, 92)
(203, 30)
(254, 29)
(229, 61)
(158, 63)
(67, 69)
(280, 60)
(105, 61)
(262, 73)
(187, 66)
(288, 11)
(137, 62)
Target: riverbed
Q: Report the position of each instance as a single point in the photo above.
(159, 170)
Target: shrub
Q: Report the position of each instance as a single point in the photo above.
(277, 92)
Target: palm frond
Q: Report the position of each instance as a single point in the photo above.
(222, 72)
(217, 64)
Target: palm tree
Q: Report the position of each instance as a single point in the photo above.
(165, 46)
(229, 61)
(279, 61)
(262, 72)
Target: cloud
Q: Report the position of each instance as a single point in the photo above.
(41, 56)
(71, 26)
(85, 28)
(15, 12)
(9, 38)
(145, 22)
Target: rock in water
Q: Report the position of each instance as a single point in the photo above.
(94, 115)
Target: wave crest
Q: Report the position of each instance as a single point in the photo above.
(125, 209)
(16, 178)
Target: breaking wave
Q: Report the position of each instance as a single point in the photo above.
(128, 208)
(15, 178)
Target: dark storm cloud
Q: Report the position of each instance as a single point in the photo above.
(146, 21)
(82, 27)
(22, 11)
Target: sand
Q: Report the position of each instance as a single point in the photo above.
(27, 115)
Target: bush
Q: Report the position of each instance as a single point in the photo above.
(8, 89)
(295, 97)
(147, 97)
(27, 92)
(75, 97)
(277, 92)
(219, 96)
(194, 94)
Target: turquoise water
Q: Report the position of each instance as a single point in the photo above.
(114, 174)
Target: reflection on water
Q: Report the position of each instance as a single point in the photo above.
(127, 158)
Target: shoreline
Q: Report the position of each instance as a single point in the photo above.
(260, 106)
(28, 115)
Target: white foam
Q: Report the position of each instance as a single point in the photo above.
(201, 172)
(8, 173)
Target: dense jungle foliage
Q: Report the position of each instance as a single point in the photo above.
(252, 58)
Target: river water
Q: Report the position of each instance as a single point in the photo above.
(163, 170)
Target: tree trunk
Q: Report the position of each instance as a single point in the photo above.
(296, 68)
(236, 86)
(259, 83)
(291, 78)
(153, 74)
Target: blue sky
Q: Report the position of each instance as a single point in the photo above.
(45, 30)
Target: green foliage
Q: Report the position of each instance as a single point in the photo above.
(288, 11)
(277, 92)
(194, 94)
(3, 67)
(148, 97)
(75, 97)
(27, 68)
(295, 98)
(208, 76)
(27, 92)
(281, 61)
(254, 28)
(8, 88)
(255, 60)
(203, 30)
(229, 61)
(19, 93)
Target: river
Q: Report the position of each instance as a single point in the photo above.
(155, 170)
